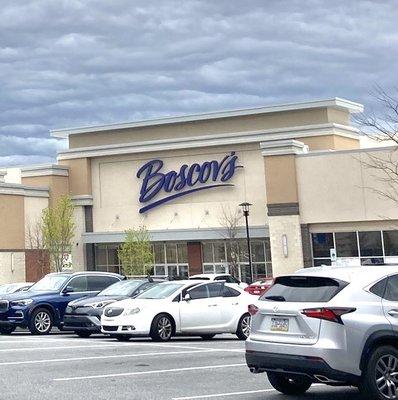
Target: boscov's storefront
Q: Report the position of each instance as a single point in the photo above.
(299, 165)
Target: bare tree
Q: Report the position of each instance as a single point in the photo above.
(230, 221)
(382, 127)
(34, 241)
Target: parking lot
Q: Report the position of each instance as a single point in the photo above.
(65, 367)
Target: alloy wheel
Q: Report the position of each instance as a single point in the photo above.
(164, 328)
(42, 322)
(387, 376)
(245, 325)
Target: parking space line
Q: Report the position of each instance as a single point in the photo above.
(118, 356)
(209, 396)
(161, 371)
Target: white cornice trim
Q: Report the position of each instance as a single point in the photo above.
(82, 200)
(21, 190)
(44, 170)
(336, 102)
(283, 147)
(210, 140)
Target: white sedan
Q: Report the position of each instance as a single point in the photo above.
(180, 308)
(219, 277)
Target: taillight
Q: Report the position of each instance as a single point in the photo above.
(253, 310)
(329, 314)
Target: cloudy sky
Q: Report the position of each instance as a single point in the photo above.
(80, 62)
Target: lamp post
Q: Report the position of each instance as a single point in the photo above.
(245, 208)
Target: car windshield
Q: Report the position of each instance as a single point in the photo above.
(161, 291)
(50, 283)
(122, 288)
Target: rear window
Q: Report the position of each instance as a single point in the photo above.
(303, 289)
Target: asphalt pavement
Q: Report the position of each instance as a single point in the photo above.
(63, 366)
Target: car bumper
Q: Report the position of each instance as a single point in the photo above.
(126, 326)
(81, 322)
(315, 368)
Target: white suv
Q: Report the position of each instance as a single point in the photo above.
(332, 325)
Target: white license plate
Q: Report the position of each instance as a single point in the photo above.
(279, 324)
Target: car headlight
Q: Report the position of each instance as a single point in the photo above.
(132, 311)
(25, 302)
(100, 304)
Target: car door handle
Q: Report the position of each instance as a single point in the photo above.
(213, 305)
(235, 304)
(393, 313)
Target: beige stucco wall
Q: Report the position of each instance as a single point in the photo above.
(34, 207)
(79, 176)
(330, 142)
(12, 235)
(12, 267)
(77, 245)
(288, 225)
(337, 187)
(280, 175)
(209, 127)
(116, 191)
(58, 185)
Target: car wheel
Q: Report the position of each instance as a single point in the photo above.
(83, 334)
(41, 322)
(123, 338)
(380, 376)
(286, 385)
(162, 328)
(243, 330)
(207, 337)
(7, 330)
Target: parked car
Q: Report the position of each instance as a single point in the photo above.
(184, 307)
(84, 315)
(43, 305)
(260, 287)
(331, 325)
(219, 277)
(9, 288)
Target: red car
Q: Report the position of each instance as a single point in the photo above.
(260, 287)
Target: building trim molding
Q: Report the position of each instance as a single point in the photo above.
(44, 170)
(176, 235)
(282, 147)
(211, 140)
(82, 200)
(278, 209)
(337, 103)
(21, 190)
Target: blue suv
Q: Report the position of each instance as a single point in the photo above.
(43, 305)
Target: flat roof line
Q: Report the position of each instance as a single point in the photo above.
(335, 102)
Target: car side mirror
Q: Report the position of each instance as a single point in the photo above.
(187, 297)
(68, 289)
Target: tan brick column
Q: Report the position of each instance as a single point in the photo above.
(283, 204)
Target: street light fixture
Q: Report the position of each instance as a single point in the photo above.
(245, 208)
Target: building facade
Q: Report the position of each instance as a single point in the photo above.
(300, 166)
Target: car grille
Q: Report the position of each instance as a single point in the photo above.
(109, 328)
(113, 312)
(4, 305)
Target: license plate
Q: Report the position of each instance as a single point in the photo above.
(279, 324)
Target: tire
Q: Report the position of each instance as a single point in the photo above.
(290, 386)
(243, 330)
(7, 330)
(381, 364)
(41, 322)
(122, 338)
(208, 337)
(162, 328)
(83, 334)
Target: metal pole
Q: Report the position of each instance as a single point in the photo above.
(246, 213)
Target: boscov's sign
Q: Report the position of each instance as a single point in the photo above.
(189, 179)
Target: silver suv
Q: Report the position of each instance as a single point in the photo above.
(333, 325)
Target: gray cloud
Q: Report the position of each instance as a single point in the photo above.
(80, 62)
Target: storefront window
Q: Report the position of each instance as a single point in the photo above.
(346, 244)
(321, 244)
(390, 239)
(106, 258)
(370, 244)
(171, 259)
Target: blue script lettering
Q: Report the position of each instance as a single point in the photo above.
(188, 177)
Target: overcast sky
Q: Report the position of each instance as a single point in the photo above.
(80, 62)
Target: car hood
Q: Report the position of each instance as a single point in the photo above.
(30, 294)
(95, 299)
(141, 303)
